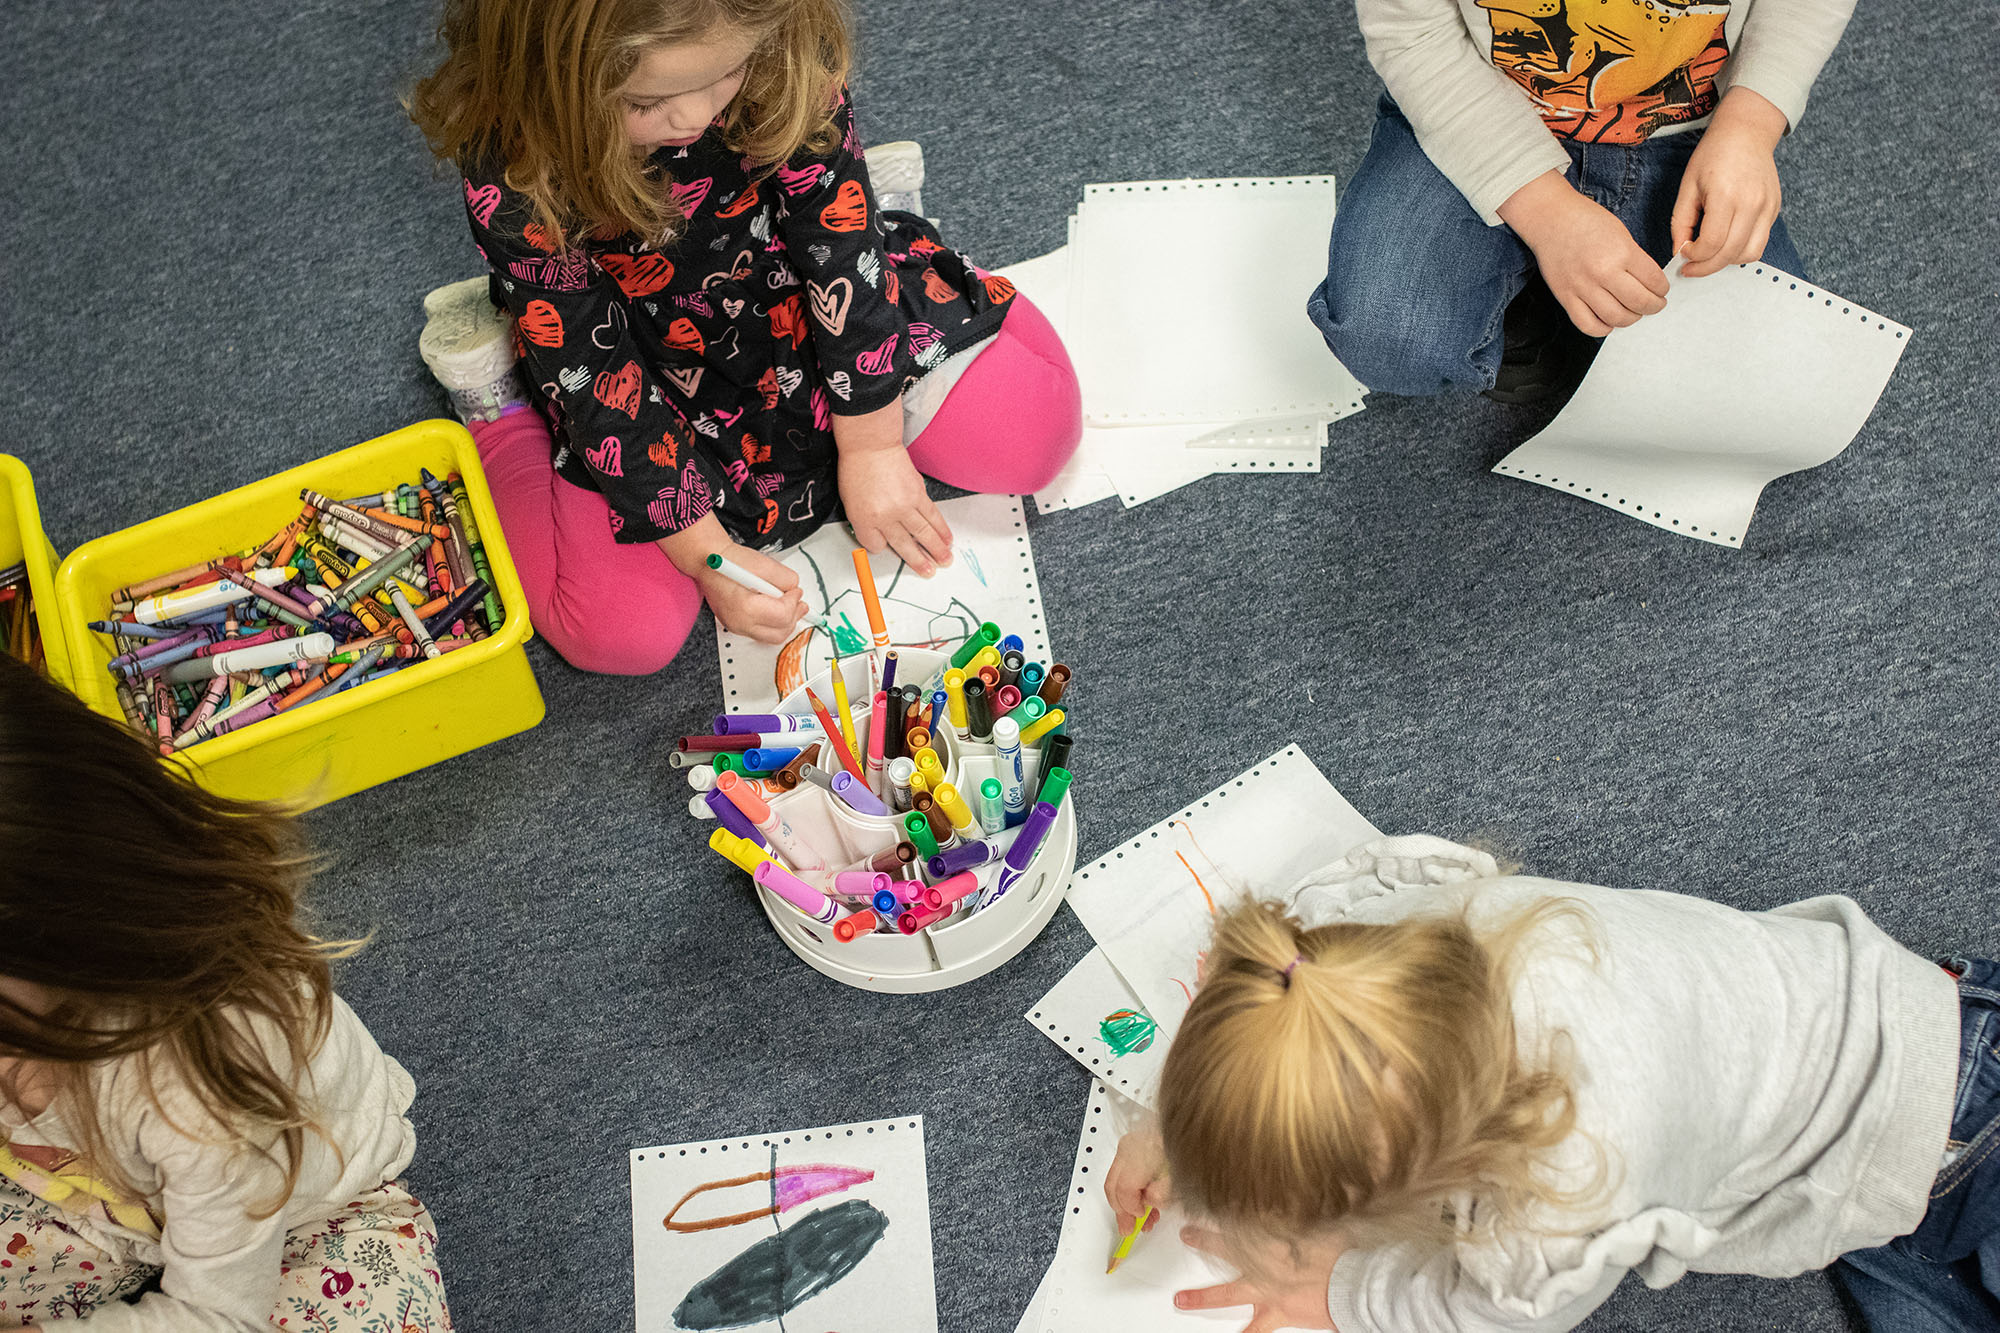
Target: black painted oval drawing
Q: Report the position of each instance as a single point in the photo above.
(779, 1273)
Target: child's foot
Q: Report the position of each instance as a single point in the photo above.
(897, 172)
(1543, 354)
(469, 347)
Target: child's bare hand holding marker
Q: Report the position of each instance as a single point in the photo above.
(750, 593)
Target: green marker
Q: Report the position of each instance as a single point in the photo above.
(1028, 712)
(1054, 787)
(992, 810)
(919, 830)
(980, 639)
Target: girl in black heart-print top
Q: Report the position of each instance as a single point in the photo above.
(722, 341)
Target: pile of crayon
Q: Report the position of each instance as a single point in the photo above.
(347, 592)
(947, 853)
(20, 635)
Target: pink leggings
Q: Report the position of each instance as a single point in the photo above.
(1007, 426)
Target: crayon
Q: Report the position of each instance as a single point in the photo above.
(278, 652)
(841, 751)
(458, 608)
(480, 568)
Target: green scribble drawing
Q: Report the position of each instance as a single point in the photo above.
(1127, 1032)
(849, 639)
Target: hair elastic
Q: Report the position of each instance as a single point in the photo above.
(1286, 975)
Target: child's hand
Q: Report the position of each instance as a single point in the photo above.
(885, 499)
(1591, 263)
(758, 615)
(1137, 1179)
(1730, 186)
(1291, 1293)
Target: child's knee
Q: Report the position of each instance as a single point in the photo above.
(1390, 340)
(631, 628)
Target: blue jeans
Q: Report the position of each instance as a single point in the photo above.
(1944, 1277)
(1417, 286)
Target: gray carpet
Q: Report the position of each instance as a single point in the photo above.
(218, 227)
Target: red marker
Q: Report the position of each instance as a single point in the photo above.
(863, 922)
(917, 918)
(946, 892)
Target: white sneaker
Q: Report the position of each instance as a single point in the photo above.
(897, 172)
(469, 347)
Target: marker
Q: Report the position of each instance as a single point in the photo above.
(978, 710)
(954, 690)
(1032, 676)
(955, 809)
(991, 675)
(207, 597)
(918, 741)
(733, 724)
(1055, 684)
(870, 599)
(729, 815)
(992, 811)
(930, 766)
(940, 710)
(776, 830)
(1013, 643)
(740, 576)
(861, 885)
(1125, 1245)
(877, 726)
(702, 779)
(1011, 663)
(739, 852)
(699, 809)
(897, 776)
(1054, 787)
(1006, 700)
(889, 670)
(968, 855)
(766, 760)
(919, 829)
(983, 637)
(796, 891)
(277, 652)
(1042, 726)
(842, 713)
(894, 859)
(1013, 782)
(818, 776)
(935, 818)
(1034, 831)
(947, 892)
(917, 918)
(1056, 753)
(863, 922)
(857, 795)
(1026, 713)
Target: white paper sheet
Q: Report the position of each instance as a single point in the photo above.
(1187, 299)
(1686, 416)
(1031, 1318)
(1045, 281)
(1151, 903)
(857, 1256)
(1078, 1296)
(1095, 1017)
(991, 578)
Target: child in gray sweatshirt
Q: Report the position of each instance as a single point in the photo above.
(1421, 1095)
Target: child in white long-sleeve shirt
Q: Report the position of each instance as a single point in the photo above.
(196, 1133)
(1423, 1095)
(1559, 152)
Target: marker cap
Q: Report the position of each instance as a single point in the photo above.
(863, 922)
(753, 806)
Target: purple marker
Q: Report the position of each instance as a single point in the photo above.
(739, 724)
(796, 891)
(733, 819)
(1034, 829)
(857, 795)
(976, 852)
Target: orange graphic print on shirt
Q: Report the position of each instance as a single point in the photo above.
(1612, 71)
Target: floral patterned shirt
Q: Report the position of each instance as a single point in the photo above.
(703, 375)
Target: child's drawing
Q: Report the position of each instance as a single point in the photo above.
(827, 1228)
(991, 577)
(1127, 1031)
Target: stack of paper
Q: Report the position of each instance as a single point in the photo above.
(1150, 905)
(1182, 304)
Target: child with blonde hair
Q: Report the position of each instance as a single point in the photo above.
(725, 339)
(196, 1133)
(1421, 1094)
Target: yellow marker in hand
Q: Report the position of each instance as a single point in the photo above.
(1125, 1246)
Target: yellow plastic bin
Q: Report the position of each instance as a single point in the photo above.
(21, 541)
(325, 748)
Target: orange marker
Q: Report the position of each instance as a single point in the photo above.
(877, 626)
(862, 922)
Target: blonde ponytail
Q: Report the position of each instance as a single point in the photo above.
(1361, 1077)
